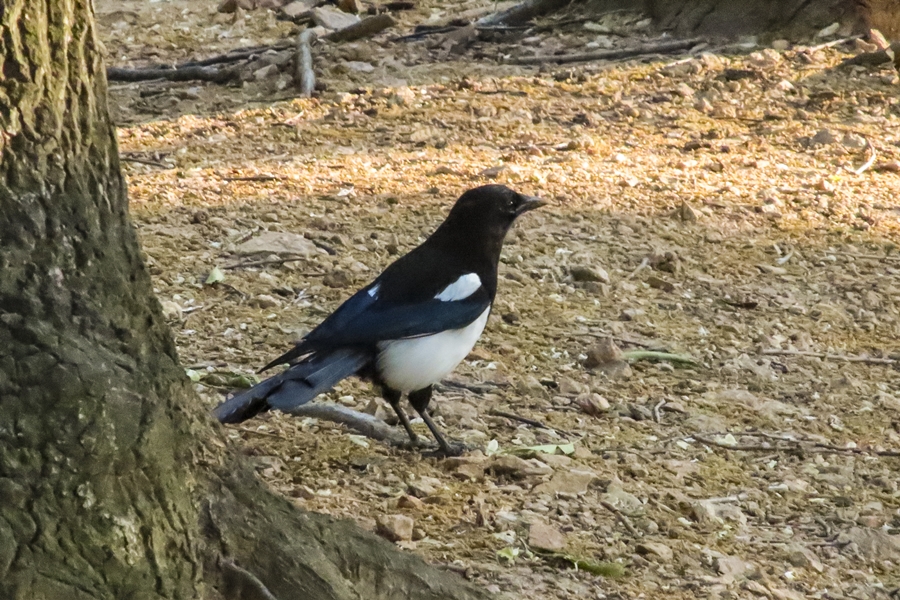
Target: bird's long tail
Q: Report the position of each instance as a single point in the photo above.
(294, 387)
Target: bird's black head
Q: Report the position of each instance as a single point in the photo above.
(494, 205)
(482, 216)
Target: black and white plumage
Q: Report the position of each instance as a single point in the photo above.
(411, 326)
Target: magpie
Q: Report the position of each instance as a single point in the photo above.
(407, 329)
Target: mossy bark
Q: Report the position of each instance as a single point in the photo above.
(113, 482)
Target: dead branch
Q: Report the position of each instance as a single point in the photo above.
(866, 165)
(254, 178)
(236, 55)
(621, 517)
(657, 48)
(144, 161)
(177, 74)
(365, 424)
(805, 445)
(834, 43)
(366, 27)
(527, 421)
(304, 76)
(828, 356)
(522, 12)
(241, 583)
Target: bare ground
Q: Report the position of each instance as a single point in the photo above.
(743, 475)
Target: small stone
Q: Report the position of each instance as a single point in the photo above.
(265, 72)
(685, 213)
(265, 301)
(519, 467)
(658, 283)
(396, 528)
(801, 556)
(294, 10)
(230, 6)
(337, 279)
(546, 537)
(171, 310)
(333, 19)
(660, 551)
(492, 172)
(873, 544)
(584, 273)
(572, 483)
(469, 471)
(829, 31)
(424, 486)
(273, 242)
(410, 502)
(732, 567)
(823, 137)
(592, 404)
(780, 45)
(359, 66)
(626, 502)
(854, 141)
(607, 358)
(350, 6)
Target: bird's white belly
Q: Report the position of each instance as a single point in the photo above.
(415, 363)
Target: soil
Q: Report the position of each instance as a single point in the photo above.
(721, 206)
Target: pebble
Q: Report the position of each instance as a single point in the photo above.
(337, 279)
(519, 467)
(266, 72)
(656, 549)
(171, 310)
(265, 301)
(396, 528)
(585, 273)
(546, 537)
(410, 502)
(572, 483)
(823, 137)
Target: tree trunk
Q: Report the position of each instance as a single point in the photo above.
(113, 482)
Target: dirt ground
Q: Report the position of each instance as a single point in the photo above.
(721, 206)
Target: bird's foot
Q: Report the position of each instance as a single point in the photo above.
(448, 450)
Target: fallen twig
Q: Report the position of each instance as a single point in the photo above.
(527, 421)
(644, 264)
(522, 12)
(262, 433)
(866, 165)
(365, 424)
(656, 415)
(366, 27)
(144, 161)
(304, 76)
(828, 356)
(657, 48)
(235, 55)
(269, 261)
(621, 517)
(833, 43)
(796, 444)
(636, 355)
(177, 74)
(253, 178)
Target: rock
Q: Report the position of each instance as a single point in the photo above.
(854, 141)
(801, 556)
(829, 31)
(823, 137)
(732, 568)
(584, 274)
(658, 283)
(230, 6)
(556, 461)
(607, 358)
(546, 537)
(686, 213)
(570, 387)
(337, 279)
(171, 310)
(298, 8)
(656, 549)
(492, 172)
(519, 467)
(572, 483)
(265, 72)
(265, 301)
(350, 6)
(627, 503)
(274, 242)
(469, 471)
(359, 66)
(410, 502)
(396, 528)
(424, 486)
(333, 19)
(780, 45)
(592, 404)
(872, 544)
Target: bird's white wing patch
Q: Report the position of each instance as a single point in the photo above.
(460, 289)
(373, 291)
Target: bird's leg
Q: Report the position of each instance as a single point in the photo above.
(419, 400)
(393, 398)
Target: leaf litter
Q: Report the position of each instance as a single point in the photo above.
(696, 207)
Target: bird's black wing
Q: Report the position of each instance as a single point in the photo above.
(366, 319)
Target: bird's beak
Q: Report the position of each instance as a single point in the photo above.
(529, 203)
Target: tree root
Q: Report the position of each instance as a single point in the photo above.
(254, 535)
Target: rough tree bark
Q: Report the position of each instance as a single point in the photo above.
(113, 482)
